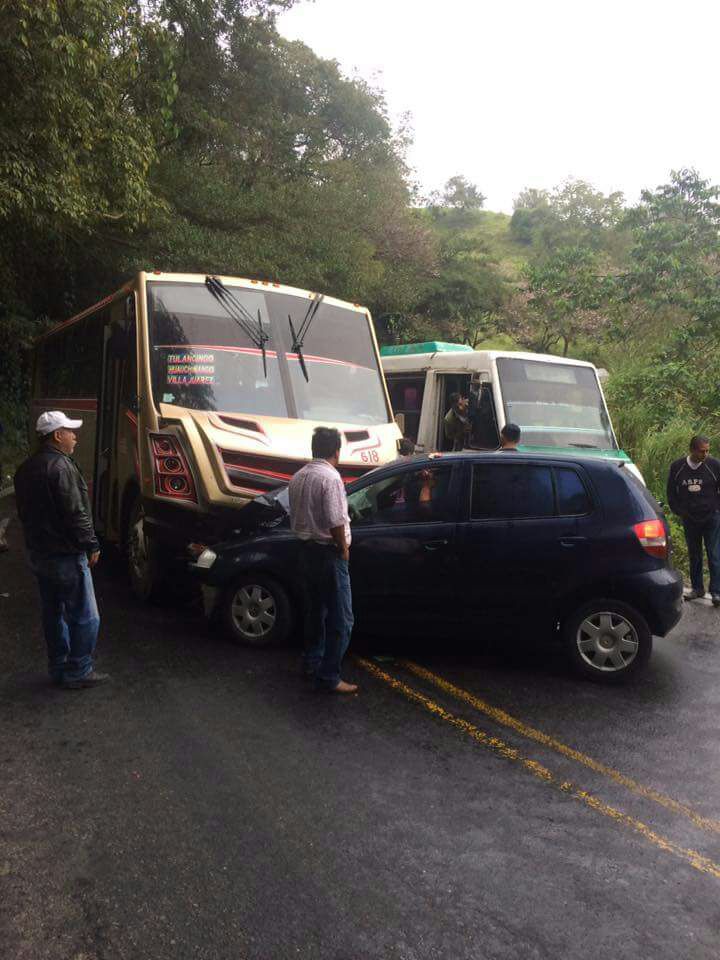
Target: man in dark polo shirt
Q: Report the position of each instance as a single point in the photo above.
(54, 508)
(693, 493)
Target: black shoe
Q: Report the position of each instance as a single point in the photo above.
(93, 679)
(695, 595)
(716, 599)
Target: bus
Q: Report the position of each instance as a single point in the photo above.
(200, 392)
(558, 403)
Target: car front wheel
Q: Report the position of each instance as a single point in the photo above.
(256, 611)
(607, 640)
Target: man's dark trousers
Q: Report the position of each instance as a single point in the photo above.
(69, 614)
(328, 615)
(697, 533)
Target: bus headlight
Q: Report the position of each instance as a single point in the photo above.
(206, 559)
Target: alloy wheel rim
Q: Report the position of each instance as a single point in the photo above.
(607, 641)
(253, 611)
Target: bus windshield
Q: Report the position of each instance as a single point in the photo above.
(203, 359)
(555, 404)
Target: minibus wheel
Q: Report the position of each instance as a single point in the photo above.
(145, 559)
(255, 611)
(607, 640)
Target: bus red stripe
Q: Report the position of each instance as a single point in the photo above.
(69, 403)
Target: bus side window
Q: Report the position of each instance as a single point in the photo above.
(406, 396)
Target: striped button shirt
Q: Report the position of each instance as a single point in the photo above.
(318, 502)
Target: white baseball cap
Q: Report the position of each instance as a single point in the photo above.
(55, 420)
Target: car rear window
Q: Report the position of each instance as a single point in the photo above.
(572, 497)
(644, 504)
(512, 491)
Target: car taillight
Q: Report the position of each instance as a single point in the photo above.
(170, 468)
(651, 534)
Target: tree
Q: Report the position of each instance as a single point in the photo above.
(189, 135)
(530, 198)
(461, 301)
(573, 214)
(460, 194)
(675, 257)
(562, 298)
(668, 297)
(87, 90)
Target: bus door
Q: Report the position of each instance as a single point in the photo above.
(447, 384)
(484, 432)
(115, 350)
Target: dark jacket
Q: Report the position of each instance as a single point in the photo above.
(694, 494)
(456, 429)
(53, 504)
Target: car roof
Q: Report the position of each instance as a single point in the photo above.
(541, 457)
(463, 456)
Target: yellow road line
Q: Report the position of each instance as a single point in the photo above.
(505, 719)
(691, 857)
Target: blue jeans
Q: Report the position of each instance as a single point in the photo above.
(707, 532)
(329, 615)
(69, 614)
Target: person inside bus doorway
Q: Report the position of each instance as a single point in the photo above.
(54, 509)
(319, 517)
(456, 423)
(509, 438)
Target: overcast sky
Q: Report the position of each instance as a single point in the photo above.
(516, 93)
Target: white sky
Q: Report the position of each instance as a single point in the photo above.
(515, 93)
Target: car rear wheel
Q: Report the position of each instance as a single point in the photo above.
(256, 611)
(607, 640)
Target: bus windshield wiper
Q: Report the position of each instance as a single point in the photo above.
(238, 312)
(585, 446)
(299, 335)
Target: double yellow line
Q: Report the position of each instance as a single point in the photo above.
(692, 857)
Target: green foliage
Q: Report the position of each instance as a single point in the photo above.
(675, 258)
(88, 89)
(573, 214)
(460, 194)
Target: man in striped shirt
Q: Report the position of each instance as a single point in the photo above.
(319, 517)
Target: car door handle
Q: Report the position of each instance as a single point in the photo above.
(572, 541)
(431, 545)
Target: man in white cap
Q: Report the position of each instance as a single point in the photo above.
(54, 508)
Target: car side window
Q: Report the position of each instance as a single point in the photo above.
(572, 497)
(511, 491)
(413, 496)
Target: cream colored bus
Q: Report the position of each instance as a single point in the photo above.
(200, 392)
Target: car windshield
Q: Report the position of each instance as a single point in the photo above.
(555, 404)
(203, 359)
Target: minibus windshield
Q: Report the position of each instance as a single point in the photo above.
(555, 404)
(204, 359)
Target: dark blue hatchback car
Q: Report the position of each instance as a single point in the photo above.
(463, 542)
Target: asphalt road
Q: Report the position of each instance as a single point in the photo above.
(473, 802)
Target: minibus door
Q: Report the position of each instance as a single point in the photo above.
(114, 349)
